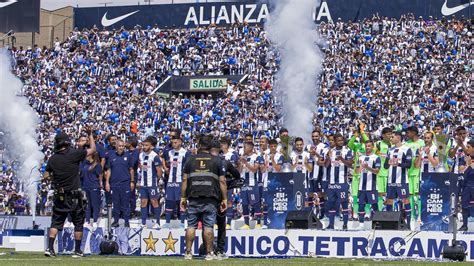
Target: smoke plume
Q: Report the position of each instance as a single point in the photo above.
(293, 32)
(19, 122)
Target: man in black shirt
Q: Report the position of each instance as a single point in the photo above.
(203, 187)
(63, 171)
(233, 178)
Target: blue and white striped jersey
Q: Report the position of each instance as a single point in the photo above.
(278, 158)
(177, 159)
(399, 174)
(426, 166)
(251, 178)
(148, 176)
(368, 179)
(318, 171)
(337, 170)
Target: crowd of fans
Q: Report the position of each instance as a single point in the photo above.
(383, 72)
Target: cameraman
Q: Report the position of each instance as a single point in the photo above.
(202, 189)
(63, 171)
(233, 180)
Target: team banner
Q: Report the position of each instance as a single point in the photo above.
(19, 15)
(258, 11)
(436, 190)
(284, 243)
(285, 193)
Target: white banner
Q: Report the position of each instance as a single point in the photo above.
(336, 244)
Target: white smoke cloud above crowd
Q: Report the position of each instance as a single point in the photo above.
(292, 30)
(19, 121)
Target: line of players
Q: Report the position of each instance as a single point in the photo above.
(371, 175)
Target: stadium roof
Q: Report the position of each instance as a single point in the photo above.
(55, 4)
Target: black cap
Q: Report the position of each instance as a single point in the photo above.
(61, 140)
(61, 137)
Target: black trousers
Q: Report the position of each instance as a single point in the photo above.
(221, 232)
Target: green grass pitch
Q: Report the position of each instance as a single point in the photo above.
(9, 257)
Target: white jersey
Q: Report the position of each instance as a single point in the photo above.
(176, 162)
(298, 160)
(278, 158)
(337, 170)
(318, 171)
(368, 179)
(426, 166)
(231, 156)
(458, 157)
(148, 176)
(398, 174)
(251, 178)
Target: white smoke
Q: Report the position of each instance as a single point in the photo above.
(292, 30)
(19, 122)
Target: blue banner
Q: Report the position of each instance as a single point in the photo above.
(285, 193)
(435, 191)
(258, 11)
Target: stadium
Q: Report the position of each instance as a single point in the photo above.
(236, 132)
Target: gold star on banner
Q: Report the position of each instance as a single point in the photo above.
(150, 242)
(170, 242)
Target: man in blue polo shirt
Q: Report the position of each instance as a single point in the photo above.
(119, 181)
(131, 145)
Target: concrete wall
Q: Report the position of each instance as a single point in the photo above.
(53, 24)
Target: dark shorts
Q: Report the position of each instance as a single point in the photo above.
(315, 186)
(68, 205)
(338, 192)
(230, 198)
(467, 197)
(324, 186)
(173, 191)
(151, 193)
(264, 195)
(398, 191)
(370, 197)
(201, 212)
(250, 195)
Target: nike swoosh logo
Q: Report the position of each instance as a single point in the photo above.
(448, 11)
(107, 22)
(7, 3)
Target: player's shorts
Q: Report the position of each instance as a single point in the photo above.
(414, 186)
(230, 197)
(264, 195)
(173, 191)
(250, 195)
(382, 184)
(315, 186)
(467, 197)
(355, 185)
(398, 191)
(149, 193)
(338, 192)
(370, 197)
(324, 186)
